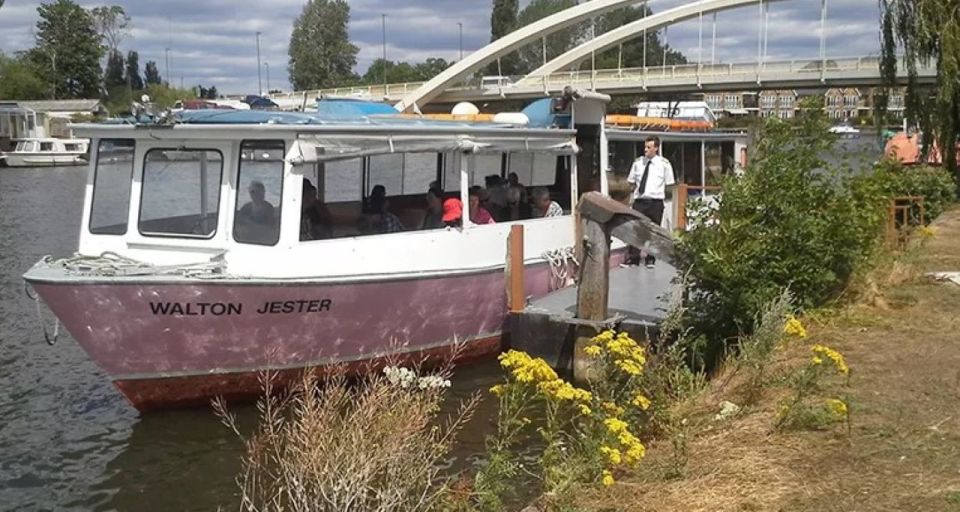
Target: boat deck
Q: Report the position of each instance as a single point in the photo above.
(637, 302)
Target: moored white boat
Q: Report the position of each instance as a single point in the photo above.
(181, 294)
(45, 152)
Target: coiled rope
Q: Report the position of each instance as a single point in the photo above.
(111, 264)
(561, 272)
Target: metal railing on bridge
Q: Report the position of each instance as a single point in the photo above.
(800, 70)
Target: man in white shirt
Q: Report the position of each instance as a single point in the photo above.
(650, 175)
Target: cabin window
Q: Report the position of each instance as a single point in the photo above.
(256, 219)
(341, 180)
(71, 147)
(181, 192)
(111, 187)
(46, 146)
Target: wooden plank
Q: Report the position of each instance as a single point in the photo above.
(626, 224)
(594, 272)
(516, 298)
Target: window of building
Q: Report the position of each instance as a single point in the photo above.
(256, 217)
(181, 192)
(111, 187)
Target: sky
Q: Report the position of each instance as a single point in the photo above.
(213, 42)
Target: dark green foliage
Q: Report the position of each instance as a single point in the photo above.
(787, 222)
(20, 80)
(207, 93)
(926, 31)
(558, 43)
(791, 221)
(401, 72)
(151, 75)
(321, 54)
(68, 50)
(503, 20)
(132, 73)
(632, 55)
(113, 76)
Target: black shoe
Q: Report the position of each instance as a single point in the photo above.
(650, 261)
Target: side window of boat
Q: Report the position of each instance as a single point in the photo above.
(256, 219)
(111, 187)
(46, 146)
(181, 192)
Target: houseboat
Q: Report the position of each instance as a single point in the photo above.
(193, 274)
(46, 152)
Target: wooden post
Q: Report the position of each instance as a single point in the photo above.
(682, 192)
(592, 292)
(516, 298)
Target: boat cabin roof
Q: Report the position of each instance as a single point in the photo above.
(203, 123)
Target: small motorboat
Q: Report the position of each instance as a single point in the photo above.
(45, 152)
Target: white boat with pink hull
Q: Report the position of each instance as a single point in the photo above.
(228, 243)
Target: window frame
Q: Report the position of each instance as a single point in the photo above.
(93, 195)
(283, 178)
(143, 173)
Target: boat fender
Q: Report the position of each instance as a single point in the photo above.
(516, 118)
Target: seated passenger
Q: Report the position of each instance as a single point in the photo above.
(543, 205)
(516, 198)
(478, 214)
(434, 217)
(496, 196)
(256, 220)
(378, 197)
(380, 220)
(452, 213)
(315, 221)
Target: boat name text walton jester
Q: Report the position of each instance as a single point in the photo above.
(279, 307)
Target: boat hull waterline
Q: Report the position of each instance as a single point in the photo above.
(172, 344)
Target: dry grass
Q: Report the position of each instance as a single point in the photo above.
(374, 444)
(903, 449)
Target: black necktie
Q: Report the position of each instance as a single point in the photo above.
(643, 180)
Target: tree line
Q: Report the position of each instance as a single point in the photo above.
(65, 63)
(322, 56)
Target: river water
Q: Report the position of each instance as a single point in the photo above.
(68, 440)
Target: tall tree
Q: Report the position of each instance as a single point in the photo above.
(132, 74)
(321, 54)
(927, 31)
(19, 79)
(503, 20)
(430, 68)
(113, 76)
(631, 55)
(112, 23)
(559, 42)
(151, 75)
(67, 50)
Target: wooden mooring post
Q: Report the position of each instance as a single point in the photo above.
(602, 218)
(516, 297)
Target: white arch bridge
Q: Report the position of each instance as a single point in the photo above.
(454, 83)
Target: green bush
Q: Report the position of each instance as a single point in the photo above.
(934, 184)
(789, 222)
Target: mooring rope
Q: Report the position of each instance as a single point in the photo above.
(51, 340)
(111, 264)
(560, 271)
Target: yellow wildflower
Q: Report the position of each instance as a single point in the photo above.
(498, 390)
(793, 327)
(629, 366)
(525, 368)
(607, 478)
(560, 389)
(926, 232)
(783, 411)
(641, 401)
(612, 408)
(815, 360)
(593, 350)
(634, 453)
(615, 425)
(584, 410)
(839, 407)
(833, 355)
(612, 454)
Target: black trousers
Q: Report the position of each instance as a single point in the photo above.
(653, 210)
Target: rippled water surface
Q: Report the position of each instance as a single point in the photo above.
(68, 440)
